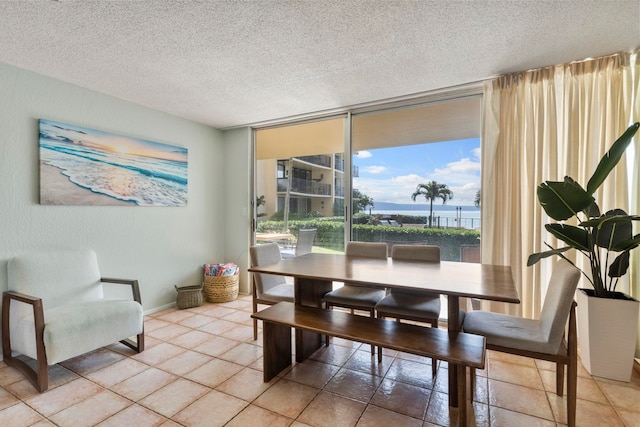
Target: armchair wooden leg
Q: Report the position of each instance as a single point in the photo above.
(559, 379)
(472, 383)
(434, 362)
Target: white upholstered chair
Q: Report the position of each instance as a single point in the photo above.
(304, 244)
(357, 297)
(55, 309)
(412, 305)
(539, 339)
(268, 288)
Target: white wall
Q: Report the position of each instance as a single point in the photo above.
(237, 203)
(160, 246)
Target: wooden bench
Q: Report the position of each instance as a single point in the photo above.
(462, 349)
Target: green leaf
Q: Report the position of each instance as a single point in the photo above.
(534, 258)
(611, 158)
(620, 265)
(627, 245)
(562, 200)
(575, 237)
(615, 228)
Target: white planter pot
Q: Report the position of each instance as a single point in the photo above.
(607, 331)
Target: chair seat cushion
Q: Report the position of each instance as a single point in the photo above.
(74, 329)
(410, 305)
(279, 293)
(356, 296)
(508, 331)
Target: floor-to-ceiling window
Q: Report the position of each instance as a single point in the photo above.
(371, 175)
(299, 184)
(418, 176)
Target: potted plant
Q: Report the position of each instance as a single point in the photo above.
(606, 240)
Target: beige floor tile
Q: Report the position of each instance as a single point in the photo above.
(19, 415)
(134, 415)
(363, 361)
(158, 354)
(344, 412)
(622, 395)
(91, 411)
(587, 413)
(411, 372)
(439, 413)
(353, 384)
(117, 372)
(54, 401)
(212, 410)
(176, 316)
(7, 399)
(239, 333)
(587, 388)
(515, 374)
(184, 362)
(629, 418)
(216, 346)
(92, 361)
(247, 384)
(241, 317)
(378, 417)
(286, 398)
(504, 418)
(348, 343)
(312, 373)
(243, 354)
(191, 339)
(151, 324)
(519, 399)
(254, 416)
(168, 332)
(174, 397)
(196, 321)
(511, 358)
(401, 397)
(238, 304)
(214, 372)
(218, 311)
(143, 384)
(334, 354)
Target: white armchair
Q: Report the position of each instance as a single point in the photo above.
(55, 309)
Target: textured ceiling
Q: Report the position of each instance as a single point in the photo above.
(229, 63)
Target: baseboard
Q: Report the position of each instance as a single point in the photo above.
(162, 307)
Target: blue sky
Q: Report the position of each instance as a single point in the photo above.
(392, 174)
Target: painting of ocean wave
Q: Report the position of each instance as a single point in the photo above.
(80, 166)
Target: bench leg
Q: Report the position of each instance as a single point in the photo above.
(462, 396)
(276, 349)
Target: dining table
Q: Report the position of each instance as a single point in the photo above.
(315, 273)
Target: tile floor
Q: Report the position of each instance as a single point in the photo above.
(202, 368)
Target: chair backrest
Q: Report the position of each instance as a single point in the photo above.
(366, 249)
(267, 253)
(425, 253)
(428, 253)
(557, 303)
(58, 277)
(305, 241)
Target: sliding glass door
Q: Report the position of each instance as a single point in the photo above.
(300, 185)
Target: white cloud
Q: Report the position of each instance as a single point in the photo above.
(465, 165)
(364, 154)
(477, 153)
(375, 169)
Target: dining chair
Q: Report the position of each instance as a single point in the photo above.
(542, 338)
(358, 297)
(412, 305)
(304, 244)
(267, 289)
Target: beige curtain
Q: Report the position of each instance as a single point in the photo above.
(542, 125)
(634, 76)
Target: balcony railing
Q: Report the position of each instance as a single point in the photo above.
(320, 160)
(304, 186)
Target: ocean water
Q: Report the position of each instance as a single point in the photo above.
(145, 181)
(468, 218)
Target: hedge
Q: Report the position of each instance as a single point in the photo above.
(330, 234)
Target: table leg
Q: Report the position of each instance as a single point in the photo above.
(453, 309)
(309, 292)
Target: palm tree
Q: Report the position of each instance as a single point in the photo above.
(432, 191)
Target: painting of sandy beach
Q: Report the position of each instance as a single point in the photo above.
(80, 166)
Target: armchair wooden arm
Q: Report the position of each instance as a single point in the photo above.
(38, 378)
(133, 283)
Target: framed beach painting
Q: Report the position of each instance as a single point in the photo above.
(80, 166)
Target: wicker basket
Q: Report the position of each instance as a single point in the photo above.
(189, 296)
(221, 288)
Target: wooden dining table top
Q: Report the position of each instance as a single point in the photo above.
(459, 279)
